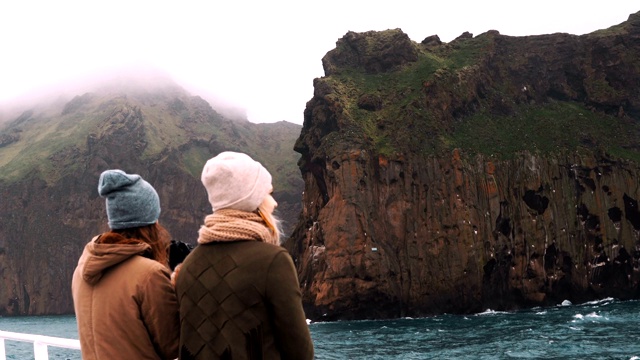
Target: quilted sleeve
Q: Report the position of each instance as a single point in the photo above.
(283, 292)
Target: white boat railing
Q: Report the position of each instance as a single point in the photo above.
(40, 343)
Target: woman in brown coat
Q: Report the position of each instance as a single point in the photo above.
(125, 305)
(238, 289)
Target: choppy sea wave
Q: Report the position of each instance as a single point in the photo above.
(604, 329)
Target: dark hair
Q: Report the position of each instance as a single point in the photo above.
(155, 235)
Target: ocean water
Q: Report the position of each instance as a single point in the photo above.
(606, 329)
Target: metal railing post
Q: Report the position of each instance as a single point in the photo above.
(40, 351)
(3, 354)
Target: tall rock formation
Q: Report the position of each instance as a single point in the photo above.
(489, 172)
(52, 155)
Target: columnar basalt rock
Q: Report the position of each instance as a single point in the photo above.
(409, 237)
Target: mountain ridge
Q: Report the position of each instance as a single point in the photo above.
(52, 154)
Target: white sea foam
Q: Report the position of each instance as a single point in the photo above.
(601, 301)
(491, 312)
(593, 315)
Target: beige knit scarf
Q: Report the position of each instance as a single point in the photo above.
(232, 225)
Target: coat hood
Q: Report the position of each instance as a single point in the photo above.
(97, 258)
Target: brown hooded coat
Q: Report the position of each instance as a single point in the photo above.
(125, 305)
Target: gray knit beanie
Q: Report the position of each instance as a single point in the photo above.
(235, 181)
(131, 201)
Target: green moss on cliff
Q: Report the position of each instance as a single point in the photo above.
(557, 126)
(194, 158)
(402, 120)
(399, 91)
(43, 143)
(466, 52)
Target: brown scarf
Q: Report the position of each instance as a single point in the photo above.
(232, 225)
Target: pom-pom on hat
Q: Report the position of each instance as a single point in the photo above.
(235, 181)
(131, 201)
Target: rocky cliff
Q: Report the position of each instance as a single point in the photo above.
(52, 155)
(491, 172)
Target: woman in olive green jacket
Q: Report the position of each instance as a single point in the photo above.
(238, 289)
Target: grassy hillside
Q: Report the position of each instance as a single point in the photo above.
(49, 140)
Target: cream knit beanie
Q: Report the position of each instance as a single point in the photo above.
(235, 181)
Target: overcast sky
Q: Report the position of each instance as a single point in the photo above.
(260, 55)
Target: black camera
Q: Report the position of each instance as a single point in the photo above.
(178, 251)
